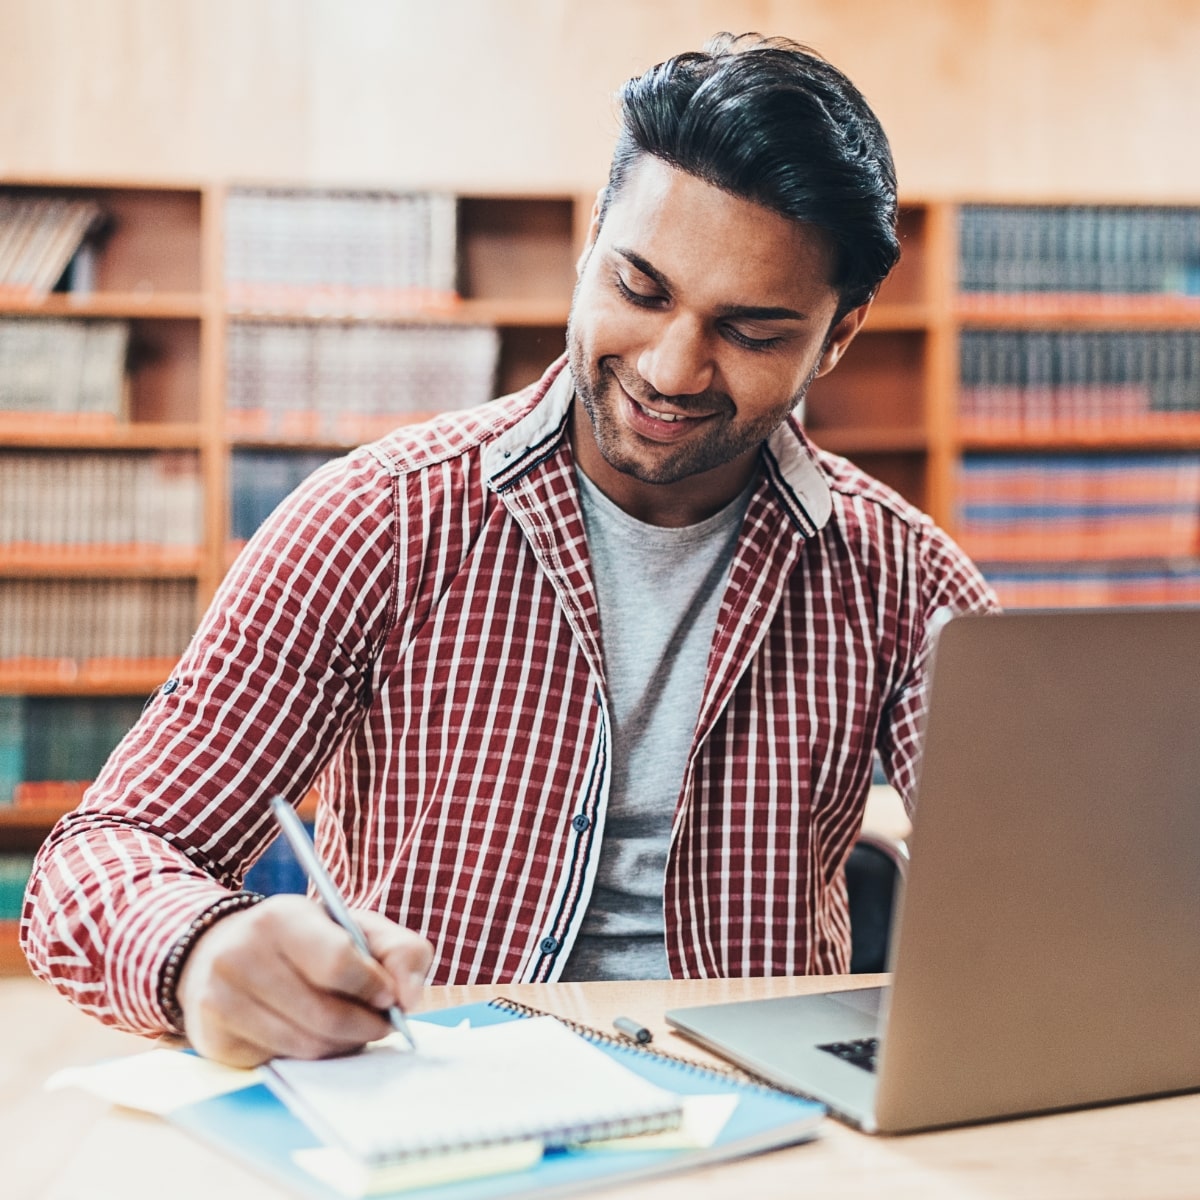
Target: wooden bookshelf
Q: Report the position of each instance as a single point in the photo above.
(1078, 418)
(37, 434)
(1180, 434)
(893, 404)
(160, 266)
(24, 827)
(148, 270)
(12, 961)
(882, 405)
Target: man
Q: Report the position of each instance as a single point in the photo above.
(591, 678)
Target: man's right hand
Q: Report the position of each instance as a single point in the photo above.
(281, 979)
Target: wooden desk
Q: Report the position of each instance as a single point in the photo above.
(65, 1144)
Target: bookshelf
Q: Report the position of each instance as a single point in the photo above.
(160, 277)
(1078, 408)
(200, 325)
(106, 399)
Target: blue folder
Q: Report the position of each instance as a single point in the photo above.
(252, 1124)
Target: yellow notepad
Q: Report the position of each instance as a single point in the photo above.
(471, 1088)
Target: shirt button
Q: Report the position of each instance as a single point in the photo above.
(549, 945)
(579, 823)
(170, 686)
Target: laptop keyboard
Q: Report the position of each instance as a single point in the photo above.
(862, 1052)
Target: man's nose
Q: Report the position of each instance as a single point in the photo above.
(678, 361)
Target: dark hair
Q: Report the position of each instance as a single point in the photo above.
(770, 121)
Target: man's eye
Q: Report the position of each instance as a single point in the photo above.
(634, 297)
(751, 343)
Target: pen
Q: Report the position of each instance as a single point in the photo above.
(306, 854)
(632, 1029)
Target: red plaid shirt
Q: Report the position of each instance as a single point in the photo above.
(415, 633)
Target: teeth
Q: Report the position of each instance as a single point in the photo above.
(669, 417)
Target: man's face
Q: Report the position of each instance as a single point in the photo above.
(698, 322)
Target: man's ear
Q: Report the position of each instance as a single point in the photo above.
(593, 231)
(840, 336)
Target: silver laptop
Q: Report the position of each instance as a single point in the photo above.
(1046, 953)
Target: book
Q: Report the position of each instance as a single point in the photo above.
(15, 870)
(12, 745)
(1057, 250)
(725, 1114)
(81, 629)
(39, 236)
(110, 508)
(469, 1089)
(296, 381)
(276, 872)
(331, 252)
(65, 372)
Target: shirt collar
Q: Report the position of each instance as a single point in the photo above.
(789, 461)
(787, 455)
(535, 435)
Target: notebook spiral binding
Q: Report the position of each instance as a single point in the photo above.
(591, 1034)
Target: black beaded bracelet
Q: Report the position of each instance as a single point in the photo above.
(168, 981)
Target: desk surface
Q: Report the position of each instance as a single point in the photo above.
(66, 1144)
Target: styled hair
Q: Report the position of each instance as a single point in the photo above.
(772, 122)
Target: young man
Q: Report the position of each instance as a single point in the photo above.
(590, 679)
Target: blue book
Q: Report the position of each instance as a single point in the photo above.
(277, 872)
(256, 1126)
(12, 745)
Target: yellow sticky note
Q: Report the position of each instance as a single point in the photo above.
(345, 1174)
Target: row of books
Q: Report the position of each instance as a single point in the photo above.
(352, 382)
(1013, 379)
(259, 480)
(339, 252)
(63, 370)
(1090, 585)
(39, 236)
(1022, 508)
(1079, 248)
(122, 506)
(67, 629)
(50, 746)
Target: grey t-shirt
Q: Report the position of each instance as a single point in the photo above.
(659, 591)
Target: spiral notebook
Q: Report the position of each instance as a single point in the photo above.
(740, 1116)
(471, 1088)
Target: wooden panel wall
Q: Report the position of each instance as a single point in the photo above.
(1010, 98)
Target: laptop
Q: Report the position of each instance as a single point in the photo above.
(1046, 949)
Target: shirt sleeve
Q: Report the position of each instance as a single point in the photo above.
(946, 583)
(274, 677)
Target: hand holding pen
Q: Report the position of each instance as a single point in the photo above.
(280, 979)
(306, 854)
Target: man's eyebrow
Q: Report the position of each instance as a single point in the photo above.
(751, 312)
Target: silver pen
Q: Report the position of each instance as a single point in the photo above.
(306, 854)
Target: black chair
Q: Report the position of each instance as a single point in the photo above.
(875, 871)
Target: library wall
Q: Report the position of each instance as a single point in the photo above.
(1007, 98)
(239, 236)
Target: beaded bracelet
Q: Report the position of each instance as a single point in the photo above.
(168, 981)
